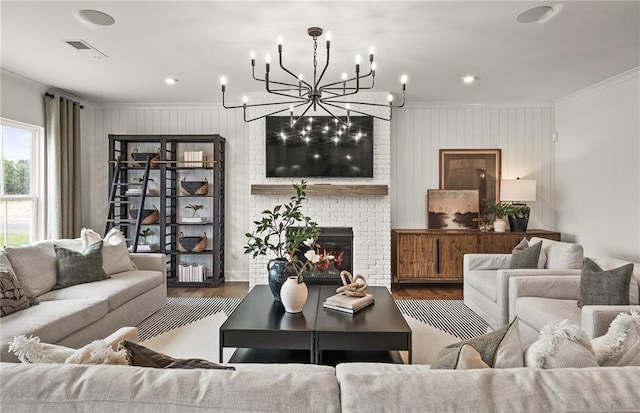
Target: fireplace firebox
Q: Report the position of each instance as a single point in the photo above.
(336, 241)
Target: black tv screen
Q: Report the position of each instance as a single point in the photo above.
(319, 146)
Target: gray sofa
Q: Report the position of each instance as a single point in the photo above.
(537, 301)
(350, 387)
(79, 314)
(486, 277)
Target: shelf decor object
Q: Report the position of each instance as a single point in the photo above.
(518, 191)
(313, 94)
(139, 158)
(194, 187)
(192, 244)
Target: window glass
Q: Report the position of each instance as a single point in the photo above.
(16, 222)
(16, 160)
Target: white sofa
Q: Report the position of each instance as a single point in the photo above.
(486, 277)
(350, 387)
(539, 300)
(76, 315)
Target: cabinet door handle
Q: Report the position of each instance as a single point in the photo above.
(438, 256)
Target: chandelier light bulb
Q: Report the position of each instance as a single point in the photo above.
(267, 58)
(358, 59)
(373, 66)
(328, 36)
(371, 49)
(300, 78)
(252, 54)
(279, 40)
(223, 81)
(403, 79)
(344, 76)
(390, 97)
(245, 100)
(347, 106)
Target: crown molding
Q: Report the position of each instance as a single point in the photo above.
(600, 86)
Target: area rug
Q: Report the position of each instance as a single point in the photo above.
(188, 327)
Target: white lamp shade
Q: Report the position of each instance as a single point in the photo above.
(518, 190)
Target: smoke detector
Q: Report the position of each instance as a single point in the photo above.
(86, 49)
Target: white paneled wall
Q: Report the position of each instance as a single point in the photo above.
(127, 119)
(418, 132)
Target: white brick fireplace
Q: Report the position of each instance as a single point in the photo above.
(368, 215)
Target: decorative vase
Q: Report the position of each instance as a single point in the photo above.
(279, 270)
(293, 295)
(518, 224)
(500, 225)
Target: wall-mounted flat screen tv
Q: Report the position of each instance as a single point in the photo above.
(319, 146)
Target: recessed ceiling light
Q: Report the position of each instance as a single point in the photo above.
(97, 17)
(170, 80)
(468, 79)
(535, 14)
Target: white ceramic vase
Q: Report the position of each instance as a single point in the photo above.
(293, 295)
(500, 225)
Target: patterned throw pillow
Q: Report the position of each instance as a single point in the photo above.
(499, 349)
(79, 267)
(561, 345)
(525, 255)
(621, 345)
(12, 296)
(598, 287)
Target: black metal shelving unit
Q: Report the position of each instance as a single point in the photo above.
(168, 172)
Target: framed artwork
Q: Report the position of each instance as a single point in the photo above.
(452, 209)
(465, 169)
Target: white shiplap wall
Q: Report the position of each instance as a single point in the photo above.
(419, 131)
(128, 119)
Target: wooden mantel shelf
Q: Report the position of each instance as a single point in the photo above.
(321, 189)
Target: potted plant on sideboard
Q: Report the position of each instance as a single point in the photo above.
(518, 215)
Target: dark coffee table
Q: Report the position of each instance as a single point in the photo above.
(263, 332)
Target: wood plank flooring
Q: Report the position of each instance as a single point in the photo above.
(403, 291)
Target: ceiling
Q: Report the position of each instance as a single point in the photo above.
(434, 43)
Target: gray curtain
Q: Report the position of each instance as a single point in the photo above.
(62, 130)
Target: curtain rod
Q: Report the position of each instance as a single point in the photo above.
(49, 95)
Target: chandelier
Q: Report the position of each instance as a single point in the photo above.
(328, 96)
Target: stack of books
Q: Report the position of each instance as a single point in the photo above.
(191, 156)
(191, 273)
(347, 304)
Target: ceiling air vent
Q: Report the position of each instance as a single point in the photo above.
(86, 49)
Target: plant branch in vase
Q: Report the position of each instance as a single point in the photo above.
(275, 234)
(195, 209)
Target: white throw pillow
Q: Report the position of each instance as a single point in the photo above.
(621, 345)
(560, 345)
(35, 266)
(31, 350)
(115, 254)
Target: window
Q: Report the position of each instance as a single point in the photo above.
(19, 166)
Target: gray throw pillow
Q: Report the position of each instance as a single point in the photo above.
(598, 287)
(12, 296)
(525, 256)
(500, 349)
(78, 267)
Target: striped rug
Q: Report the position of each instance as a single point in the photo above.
(451, 316)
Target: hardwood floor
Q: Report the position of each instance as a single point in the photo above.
(403, 291)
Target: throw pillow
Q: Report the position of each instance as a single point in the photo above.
(621, 345)
(12, 296)
(469, 358)
(144, 357)
(79, 267)
(499, 349)
(31, 350)
(608, 263)
(115, 254)
(598, 287)
(35, 266)
(525, 255)
(561, 345)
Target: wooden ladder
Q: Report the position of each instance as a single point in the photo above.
(119, 199)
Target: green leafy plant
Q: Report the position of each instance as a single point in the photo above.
(195, 208)
(274, 232)
(503, 209)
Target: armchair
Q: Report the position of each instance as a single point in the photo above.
(539, 300)
(486, 277)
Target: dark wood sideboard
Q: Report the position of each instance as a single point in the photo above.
(435, 255)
